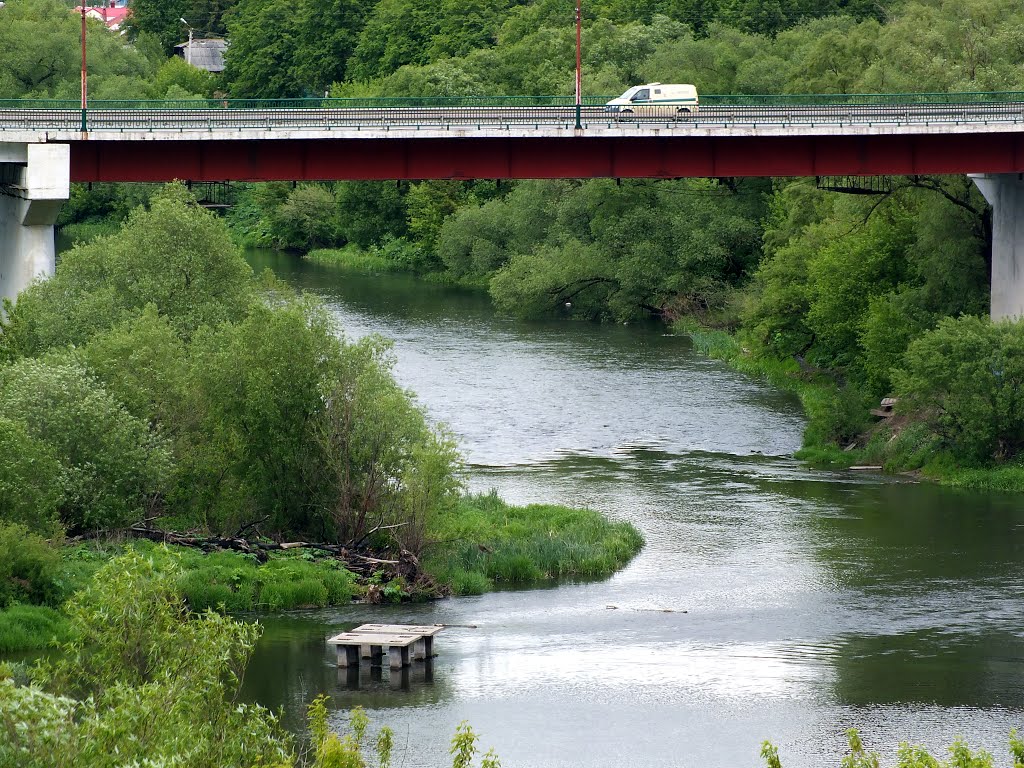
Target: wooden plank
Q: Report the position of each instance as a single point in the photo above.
(424, 630)
(372, 638)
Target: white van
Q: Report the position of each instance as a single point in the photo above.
(656, 100)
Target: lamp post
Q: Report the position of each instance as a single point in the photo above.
(188, 53)
(84, 89)
(579, 63)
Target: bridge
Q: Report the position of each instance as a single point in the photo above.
(46, 145)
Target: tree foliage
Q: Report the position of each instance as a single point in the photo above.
(31, 483)
(174, 255)
(967, 377)
(40, 55)
(145, 682)
(111, 465)
(163, 19)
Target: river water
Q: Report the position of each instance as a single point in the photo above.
(770, 602)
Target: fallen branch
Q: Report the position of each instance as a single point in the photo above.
(365, 565)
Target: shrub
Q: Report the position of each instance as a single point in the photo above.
(29, 568)
(834, 415)
(111, 463)
(145, 682)
(966, 378)
(31, 627)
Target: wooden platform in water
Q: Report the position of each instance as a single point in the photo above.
(371, 641)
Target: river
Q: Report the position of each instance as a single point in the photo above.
(770, 602)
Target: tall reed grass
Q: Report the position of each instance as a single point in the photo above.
(235, 582)
(31, 627)
(485, 542)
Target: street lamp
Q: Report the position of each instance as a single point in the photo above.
(188, 54)
(84, 89)
(579, 63)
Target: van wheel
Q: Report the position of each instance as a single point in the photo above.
(626, 112)
(684, 112)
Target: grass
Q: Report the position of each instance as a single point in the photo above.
(223, 581)
(84, 231)
(354, 259)
(235, 582)
(31, 628)
(485, 542)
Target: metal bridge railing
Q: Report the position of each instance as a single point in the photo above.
(491, 112)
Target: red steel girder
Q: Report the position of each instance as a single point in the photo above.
(544, 157)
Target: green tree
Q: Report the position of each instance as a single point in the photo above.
(143, 363)
(428, 204)
(112, 467)
(261, 61)
(40, 54)
(382, 463)
(966, 378)
(176, 72)
(163, 19)
(306, 218)
(370, 212)
(397, 32)
(328, 34)
(31, 482)
(260, 383)
(175, 256)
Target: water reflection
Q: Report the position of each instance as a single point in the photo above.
(377, 678)
(933, 667)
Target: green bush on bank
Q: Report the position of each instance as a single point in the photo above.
(966, 379)
(235, 582)
(485, 542)
(29, 569)
(144, 682)
(960, 418)
(36, 579)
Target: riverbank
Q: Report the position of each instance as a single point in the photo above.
(901, 444)
(479, 544)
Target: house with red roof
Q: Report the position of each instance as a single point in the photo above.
(112, 17)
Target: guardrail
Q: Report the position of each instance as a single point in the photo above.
(706, 100)
(269, 114)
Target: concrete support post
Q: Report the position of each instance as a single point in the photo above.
(1005, 193)
(34, 183)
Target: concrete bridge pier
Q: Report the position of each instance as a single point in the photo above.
(1005, 193)
(34, 183)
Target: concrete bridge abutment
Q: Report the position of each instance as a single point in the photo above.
(34, 183)
(1005, 193)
